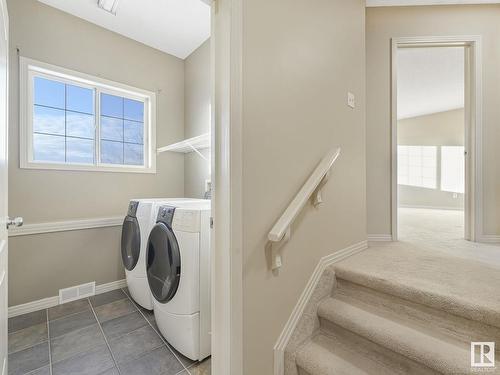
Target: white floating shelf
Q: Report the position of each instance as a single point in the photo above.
(188, 145)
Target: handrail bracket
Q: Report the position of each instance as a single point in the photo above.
(317, 197)
(276, 249)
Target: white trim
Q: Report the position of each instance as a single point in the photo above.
(291, 324)
(379, 238)
(49, 302)
(67, 225)
(29, 68)
(474, 179)
(489, 238)
(431, 207)
(226, 156)
(392, 3)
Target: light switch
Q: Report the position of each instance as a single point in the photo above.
(351, 100)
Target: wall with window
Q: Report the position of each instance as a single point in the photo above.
(42, 264)
(197, 99)
(384, 23)
(431, 160)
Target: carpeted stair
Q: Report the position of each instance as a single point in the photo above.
(404, 311)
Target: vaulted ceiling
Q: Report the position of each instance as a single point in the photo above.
(176, 27)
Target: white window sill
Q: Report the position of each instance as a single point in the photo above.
(88, 168)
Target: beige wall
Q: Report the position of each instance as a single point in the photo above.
(197, 97)
(386, 22)
(437, 129)
(300, 59)
(66, 259)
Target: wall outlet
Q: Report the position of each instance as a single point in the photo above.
(351, 100)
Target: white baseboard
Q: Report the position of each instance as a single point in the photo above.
(432, 207)
(291, 324)
(379, 237)
(489, 238)
(68, 225)
(46, 303)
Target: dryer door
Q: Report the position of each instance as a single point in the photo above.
(131, 242)
(163, 261)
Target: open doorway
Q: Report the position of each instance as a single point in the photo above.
(435, 129)
(431, 140)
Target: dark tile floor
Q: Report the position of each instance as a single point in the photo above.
(107, 334)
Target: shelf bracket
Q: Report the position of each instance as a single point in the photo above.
(198, 152)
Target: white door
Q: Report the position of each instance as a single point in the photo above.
(3, 186)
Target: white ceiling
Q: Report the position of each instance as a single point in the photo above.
(389, 3)
(176, 27)
(430, 80)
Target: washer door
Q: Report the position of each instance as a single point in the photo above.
(131, 242)
(163, 260)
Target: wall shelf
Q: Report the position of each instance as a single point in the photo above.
(188, 145)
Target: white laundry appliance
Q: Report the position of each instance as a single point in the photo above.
(141, 217)
(178, 271)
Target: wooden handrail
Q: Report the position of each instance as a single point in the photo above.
(311, 189)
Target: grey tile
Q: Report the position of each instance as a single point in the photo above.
(135, 344)
(71, 323)
(29, 359)
(120, 326)
(111, 371)
(201, 368)
(27, 320)
(184, 360)
(104, 298)
(76, 342)
(69, 308)
(93, 362)
(158, 362)
(114, 310)
(148, 314)
(28, 337)
(126, 291)
(41, 371)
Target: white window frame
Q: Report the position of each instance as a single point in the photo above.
(29, 69)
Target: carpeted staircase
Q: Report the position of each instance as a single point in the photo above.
(397, 310)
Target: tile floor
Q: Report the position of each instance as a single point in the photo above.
(106, 334)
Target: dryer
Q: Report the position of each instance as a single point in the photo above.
(141, 217)
(178, 272)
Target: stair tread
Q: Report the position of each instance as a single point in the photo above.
(419, 343)
(428, 277)
(327, 355)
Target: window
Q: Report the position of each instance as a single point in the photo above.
(74, 121)
(417, 166)
(453, 169)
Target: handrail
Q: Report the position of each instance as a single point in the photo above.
(312, 188)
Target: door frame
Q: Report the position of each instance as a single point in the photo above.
(473, 126)
(226, 161)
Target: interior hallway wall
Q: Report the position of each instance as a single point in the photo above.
(437, 129)
(300, 59)
(384, 23)
(41, 264)
(197, 99)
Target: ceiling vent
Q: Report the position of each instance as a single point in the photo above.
(108, 5)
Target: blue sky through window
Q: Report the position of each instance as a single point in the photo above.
(122, 130)
(64, 125)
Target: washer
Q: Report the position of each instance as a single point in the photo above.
(178, 272)
(141, 217)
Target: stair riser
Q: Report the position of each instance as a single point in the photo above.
(458, 328)
(365, 348)
(417, 343)
(453, 305)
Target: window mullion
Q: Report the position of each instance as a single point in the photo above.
(97, 126)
